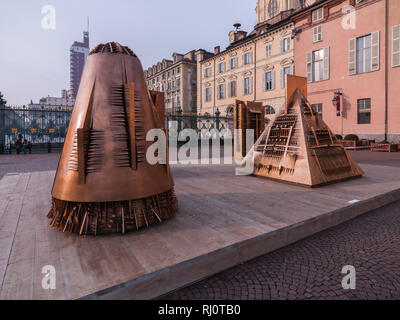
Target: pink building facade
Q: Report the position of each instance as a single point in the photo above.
(350, 52)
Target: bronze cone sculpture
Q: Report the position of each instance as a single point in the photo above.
(103, 182)
(298, 146)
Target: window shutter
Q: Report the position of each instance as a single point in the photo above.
(265, 81)
(282, 78)
(315, 34)
(281, 46)
(291, 71)
(326, 63)
(309, 66)
(352, 56)
(396, 46)
(273, 80)
(375, 51)
(244, 84)
(250, 85)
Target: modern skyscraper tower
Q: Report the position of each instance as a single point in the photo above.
(78, 54)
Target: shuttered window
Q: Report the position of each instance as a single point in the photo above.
(232, 89)
(364, 111)
(247, 58)
(285, 44)
(318, 65)
(317, 14)
(207, 94)
(317, 108)
(221, 91)
(221, 67)
(269, 81)
(268, 50)
(396, 46)
(364, 53)
(247, 85)
(317, 33)
(284, 72)
(233, 63)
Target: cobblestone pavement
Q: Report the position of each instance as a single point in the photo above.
(308, 269)
(311, 268)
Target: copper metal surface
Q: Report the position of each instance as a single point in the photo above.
(103, 181)
(247, 115)
(299, 147)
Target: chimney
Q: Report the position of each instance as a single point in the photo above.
(217, 50)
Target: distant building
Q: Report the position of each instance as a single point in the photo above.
(177, 79)
(65, 102)
(78, 54)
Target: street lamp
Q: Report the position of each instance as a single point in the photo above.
(336, 102)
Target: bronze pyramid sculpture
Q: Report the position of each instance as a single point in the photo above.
(298, 147)
(103, 182)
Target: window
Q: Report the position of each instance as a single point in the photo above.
(272, 8)
(247, 85)
(317, 14)
(269, 110)
(221, 91)
(317, 33)
(207, 72)
(232, 89)
(207, 94)
(396, 46)
(364, 54)
(221, 67)
(247, 58)
(285, 44)
(364, 111)
(317, 108)
(268, 50)
(268, 80)
(178, 70)
(233, 63)
(284, 72)
(318, 65)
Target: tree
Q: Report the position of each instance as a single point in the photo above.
(2, 101)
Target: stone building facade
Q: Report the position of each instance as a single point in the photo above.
(253, 66)
(177, 79)
(350, 52)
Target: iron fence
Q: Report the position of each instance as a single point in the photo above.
(36, 125)
(179, 121)
(43, 126)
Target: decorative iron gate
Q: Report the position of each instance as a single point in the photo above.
(199, 122)
(43, 126)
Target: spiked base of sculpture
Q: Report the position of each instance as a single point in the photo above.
(112, 217)
(298, 147)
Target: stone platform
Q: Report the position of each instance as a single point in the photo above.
(223, 220)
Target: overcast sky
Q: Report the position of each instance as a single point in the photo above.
(34, 62)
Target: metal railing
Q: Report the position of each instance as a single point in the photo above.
(36, 125)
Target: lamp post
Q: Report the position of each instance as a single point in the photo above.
(336, 101)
